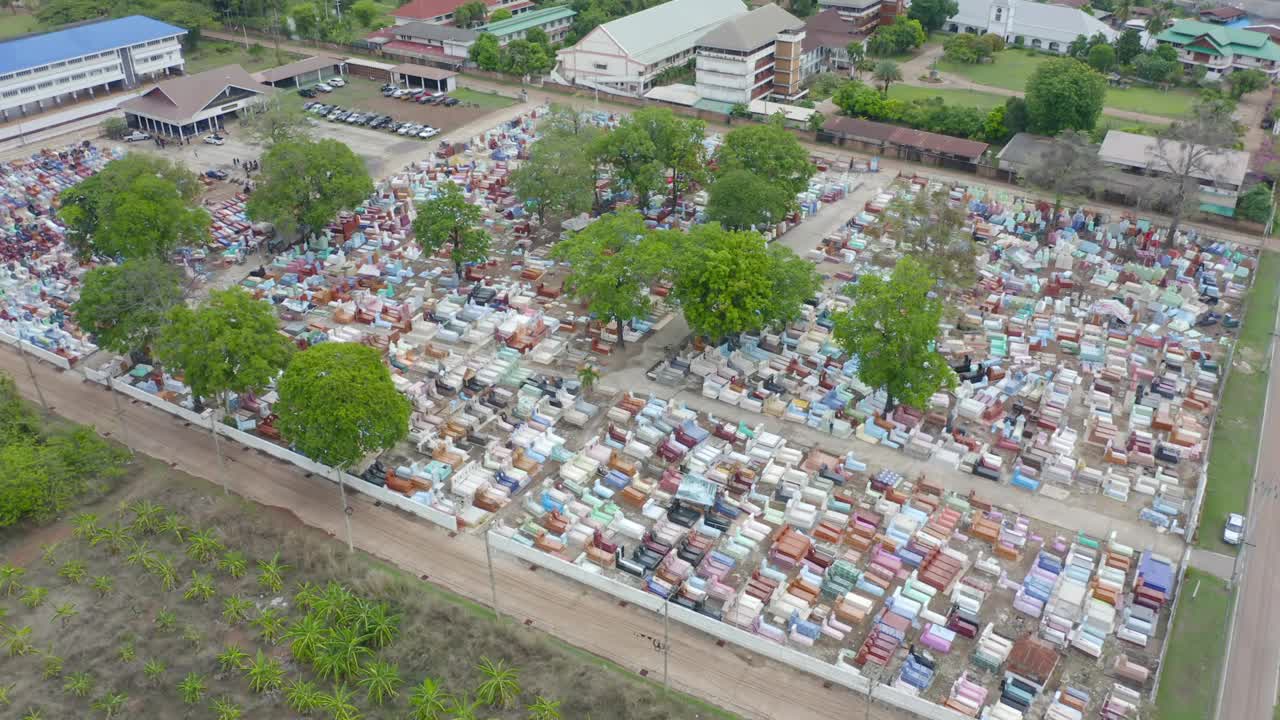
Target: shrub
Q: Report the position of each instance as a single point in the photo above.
(115, 128)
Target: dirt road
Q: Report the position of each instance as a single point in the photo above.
(750, 686)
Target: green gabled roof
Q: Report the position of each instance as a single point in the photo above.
(1230, 40)
(527, 20)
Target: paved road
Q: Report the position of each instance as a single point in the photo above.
(1250, 683)
(750, 686)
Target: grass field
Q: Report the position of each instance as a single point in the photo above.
(983, 100)
(13, 25)
(486, 100)
(214, 53)
(1236, 435)
(1012, 68)
(1189, 679)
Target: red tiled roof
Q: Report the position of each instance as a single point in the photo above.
(1223, 13)
(906, 137)
(412, 49)
(828, 29)
(1272, 30)
(427, 9)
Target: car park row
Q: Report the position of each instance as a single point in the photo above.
(372, 120)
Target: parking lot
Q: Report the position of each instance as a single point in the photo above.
(366, 96)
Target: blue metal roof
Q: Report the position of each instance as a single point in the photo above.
(51, 47)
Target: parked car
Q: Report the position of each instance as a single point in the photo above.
(307, 92)
(428, 132)
(214, 140)
(404, 129)
(1233, 533)
(450, 102)
(401, 94)
(216, 174)
(336, 82)
(322, 87)
(136, 135)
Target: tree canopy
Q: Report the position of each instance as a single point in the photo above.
(281, 119)
(632, 156)
(729, 282)
(933, 14)
(1255, 204)
(1064, 94)
(338, 404)
(126, 306)
(228, 344)
(451, 220)
(768, 151)
(486, 53)
(1243, 82)
(931, 229)
(137, 206)
(558, 179)
(890, 331)
(613, 263)
(676, 144)
(740, 199)
(305, 183)
(470, 13)
(896, 38)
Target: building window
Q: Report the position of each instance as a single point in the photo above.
(600, 66)
(999, 14)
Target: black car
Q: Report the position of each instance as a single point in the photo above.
(450, 102)
(307, 92)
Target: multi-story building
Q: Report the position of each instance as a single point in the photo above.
(44, 70)
(865, 15)
(752, 56)
(625, 55)
(555, 21)
(440, 12)
(423, 42)
(1222, 50)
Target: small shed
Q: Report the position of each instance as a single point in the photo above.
(425, 77)
(307, 71)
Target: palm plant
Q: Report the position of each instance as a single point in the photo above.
(305, 596)
(5, 690)
(103, 585)
(192, 688)
(341, 654)
(49, 553)
(271, 573)
(886, 73)
(339, 704)
(162, 568)
(380, 624)
(141, 554)
(33, 714)
(306, 637)
(501, 684)
(332, 603)
(264, 673)
(146, 517)
(128, 652)
(381, 681)
(175, 525)
(235, 609)
(193, 636)
(110, 704)
(224, 709)
(114, 537)
(34, 597)
(85, 524)
(153, 670)
(544, 709)
(232, 658)
(354, 613)
(166, 620)
(18, 643)
(271, 625)
(64, 612)
(587, 376)
(463, 710)
(52, 665)
(201, 587)
(78, 684)
(11, 579)
(73, 571)
(204, 545)
(302, 696)
(428, 701)
(233, 563)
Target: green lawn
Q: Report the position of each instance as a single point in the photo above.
(1189, 679)
(983, 100)
(1236, 435)
(1012, 68)
(214, 53)
(486, 100)
(13, 25)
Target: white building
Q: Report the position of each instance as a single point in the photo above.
(192, 104)
(625, 55)
(1028, 23)
(44, 70)
(752, 56)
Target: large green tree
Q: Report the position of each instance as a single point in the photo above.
(470, 13)
(631, 155)
(338, 404)
(1064, 94)
(1129, 46)
(557, 180)
(486, 53)
(740, 199)
(933, 14)
(899, 37)
(230, 343)
(769, 152)
(451, 220)
(1243, 82)
(677, 144)
(306, 182)
(729, 282)
(613, 263)
(1255, 205)
(521, 57)
(126, 306)
(890, 331)
(137, 206)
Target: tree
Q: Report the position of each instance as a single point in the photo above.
(631, 155)
(770, 152)
(365, 12)
(1102, 57)
(558, 179)
(1154, 68)
(280, 119)
(381, 681)
(1158, 20)
(613, 262)
(115, 128)
(499, 15)
(137, 206)
(64, 12)
(1070, 168)
(890, 331)
(338, 404)
(729, 282)
(966, 48)
(1243, 82)
(994, 129)
(741, 200)
(1255, 204)
(306, 19)
(452, 220)
(230, 343)
(486, 53)
(190, 16)
(816, 121)
(886, 73)
(521, 57)
(898, 37)
(1062, 94)
(470, 13)
(677, 146)
(126, 306)
(1128, 46)
(1187, 152)
(930, 228)
(991, 42)
(305, 183)
(856, 51)
(933, 14)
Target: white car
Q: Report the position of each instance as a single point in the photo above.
(1233, 533)
(136, 135)
(428, 132)
(324, 87)
(214, 140)
(410, 128)
(336, 82)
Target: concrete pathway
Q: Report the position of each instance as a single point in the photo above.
(1216, 564)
